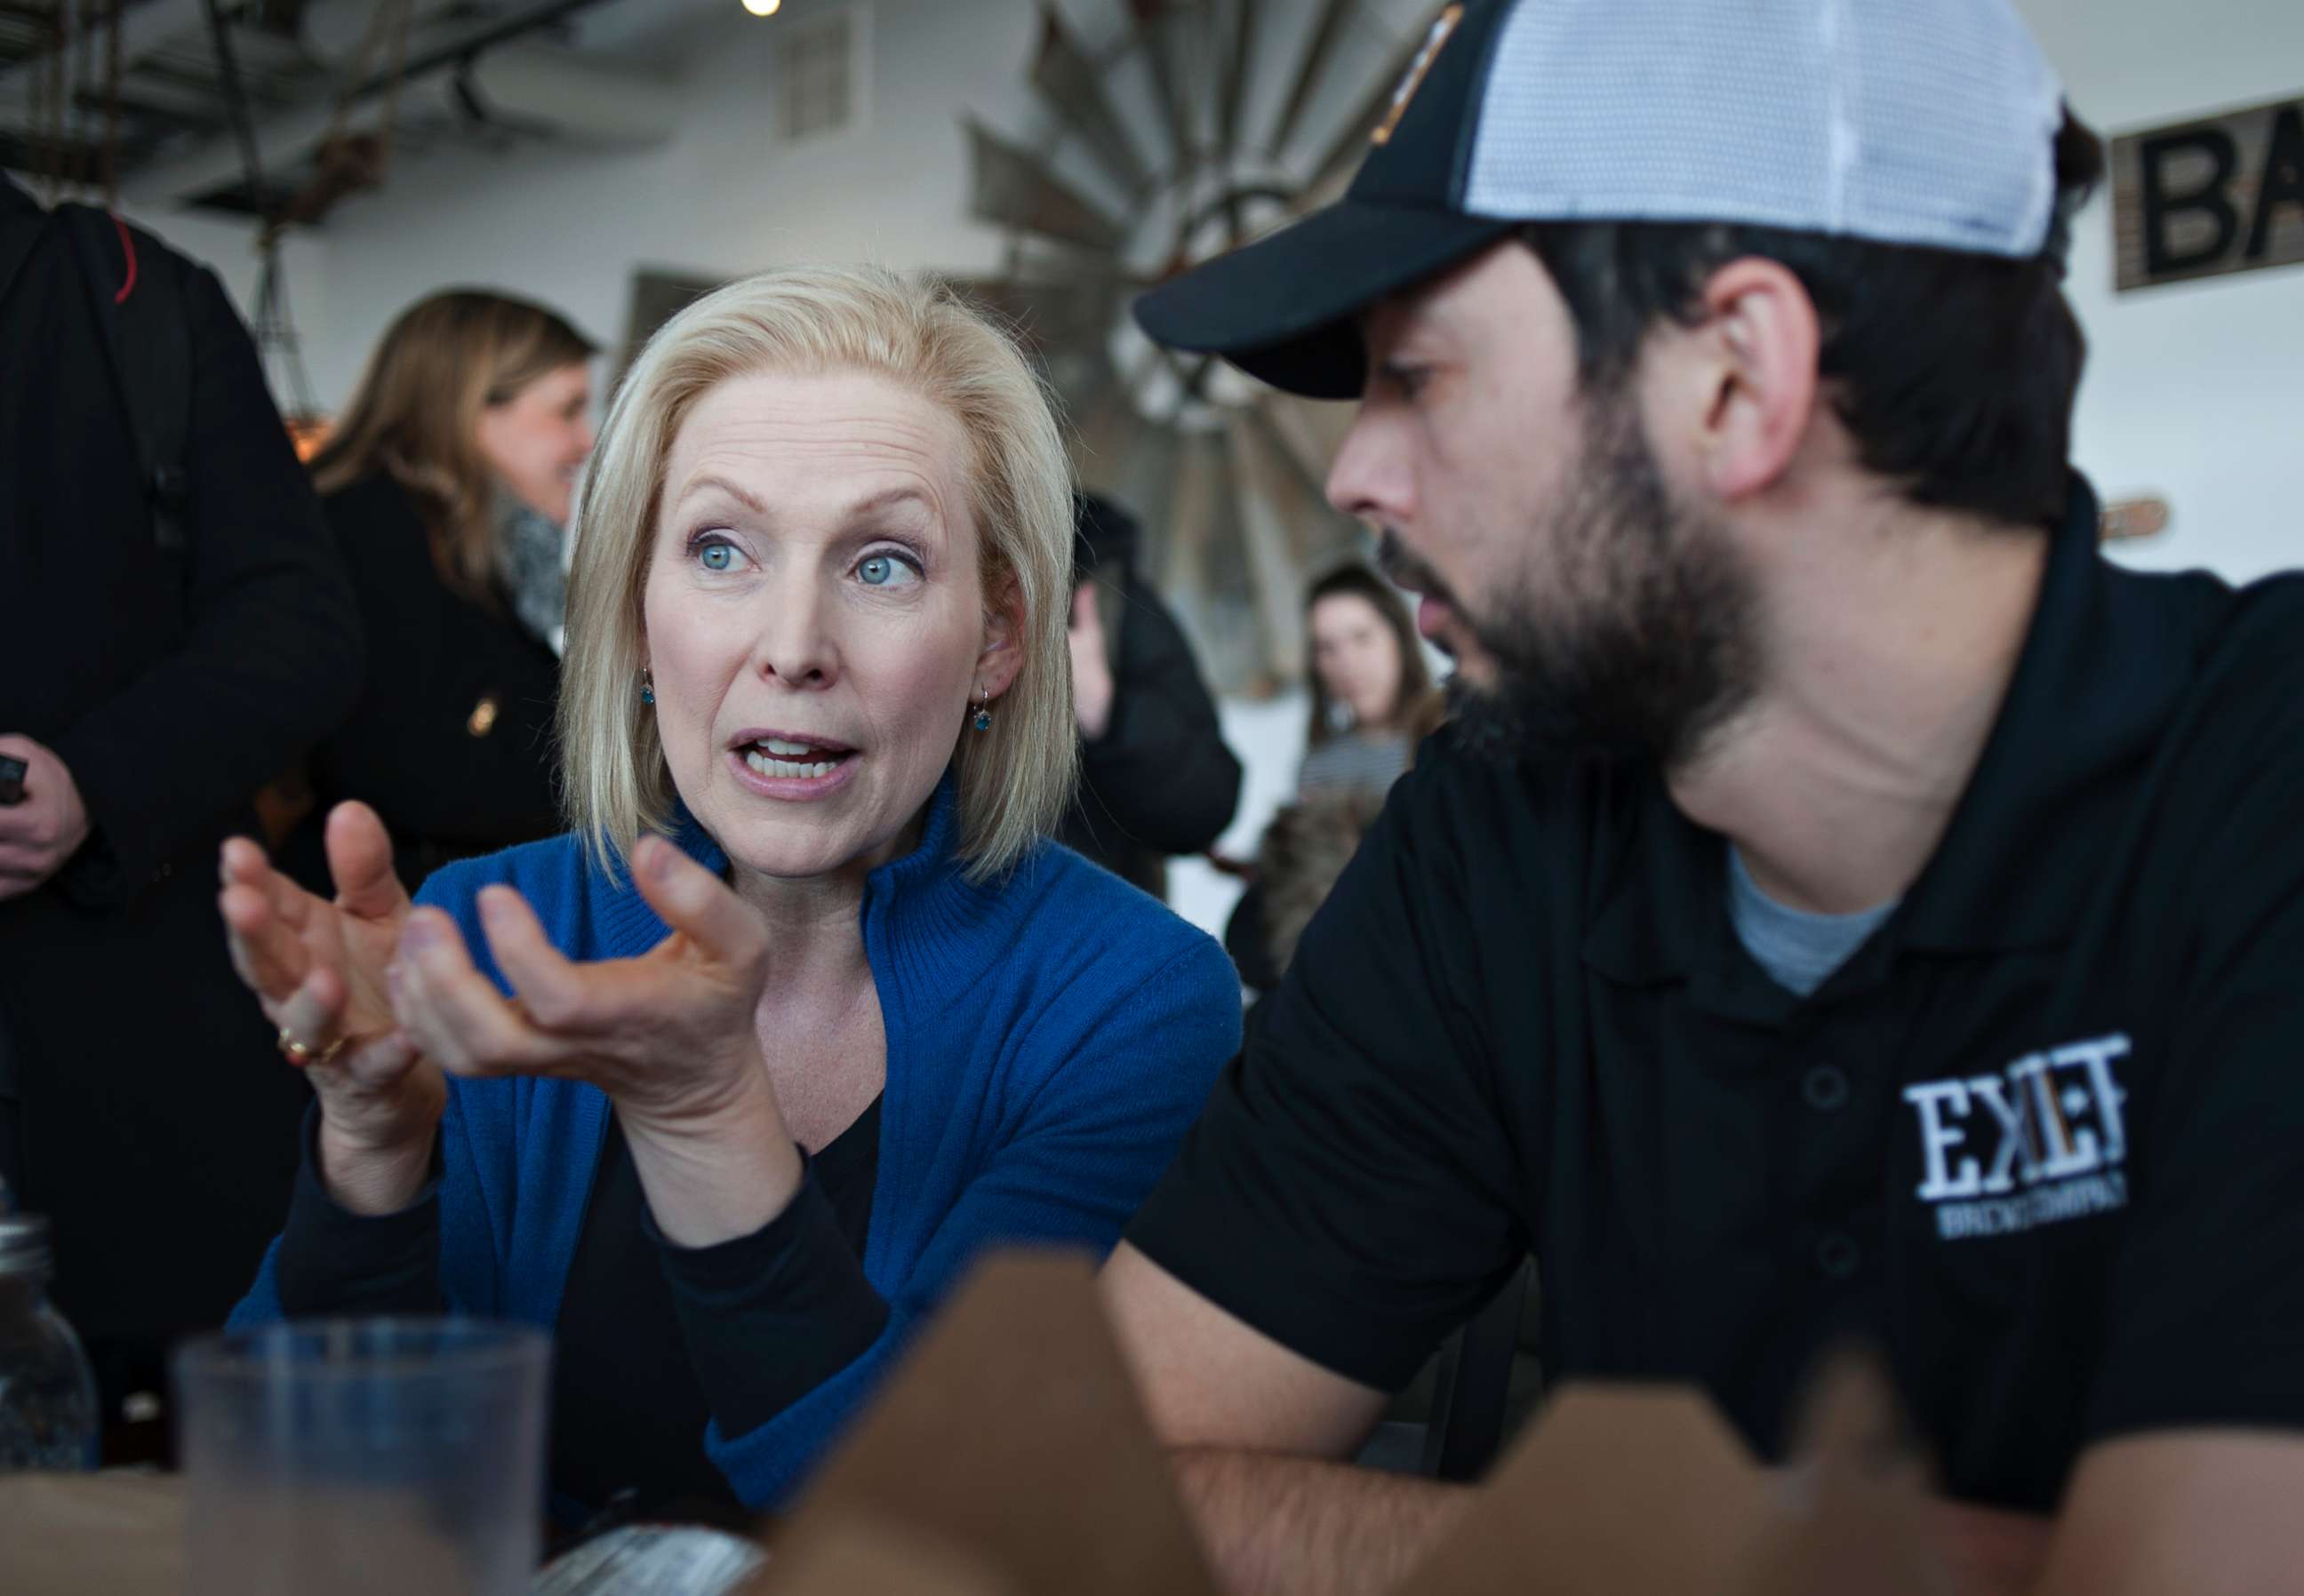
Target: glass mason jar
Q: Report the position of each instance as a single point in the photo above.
(49, 1413)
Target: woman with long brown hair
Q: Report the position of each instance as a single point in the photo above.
(1373, 701)
(447, 485)
(1372, 693)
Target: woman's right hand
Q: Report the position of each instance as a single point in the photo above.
(318, 968)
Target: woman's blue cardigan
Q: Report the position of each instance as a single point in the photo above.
(1050, 1037)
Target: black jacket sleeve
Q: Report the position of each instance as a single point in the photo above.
(333, 1263)
(1161, 772)
(271, 653)
(793, 1289)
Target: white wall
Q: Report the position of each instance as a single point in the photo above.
(2194, 391)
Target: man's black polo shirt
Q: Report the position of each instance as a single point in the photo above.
(2042, 1137)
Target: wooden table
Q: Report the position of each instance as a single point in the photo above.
(67, 1535)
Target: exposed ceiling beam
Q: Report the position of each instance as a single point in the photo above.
(143, 28)
(151, 95)
(631, 108)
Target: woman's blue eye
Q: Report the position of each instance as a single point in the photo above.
(884, 570)
(718, 556)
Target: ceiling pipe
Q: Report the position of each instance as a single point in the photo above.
(143, 29)
(530, 82)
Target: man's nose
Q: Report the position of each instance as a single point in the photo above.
(1366, 480)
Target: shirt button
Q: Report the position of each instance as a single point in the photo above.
(1825, 1087)
(1837, 1254)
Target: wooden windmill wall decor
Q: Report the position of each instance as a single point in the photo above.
(1168, 131)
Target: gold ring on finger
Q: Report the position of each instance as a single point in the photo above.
(301, 1055)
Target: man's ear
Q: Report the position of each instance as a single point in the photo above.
(1002, 657)
(1756, 352)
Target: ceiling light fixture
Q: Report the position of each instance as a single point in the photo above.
(763, 8)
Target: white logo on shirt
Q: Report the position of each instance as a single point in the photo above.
(2041, 1142)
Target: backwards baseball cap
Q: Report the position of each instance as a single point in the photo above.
(1905, 121)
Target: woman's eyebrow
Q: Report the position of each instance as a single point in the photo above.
(887, 498)
(720, 484)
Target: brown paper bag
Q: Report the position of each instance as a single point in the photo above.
(1644, 1490)
(1623, 1490)
(1009, 1455)
(1011, 1437)
(1850, 1511)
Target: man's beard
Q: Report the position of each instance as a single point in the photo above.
(1642, 649)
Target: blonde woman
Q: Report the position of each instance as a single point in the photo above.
(732, 1082)
(447, 487)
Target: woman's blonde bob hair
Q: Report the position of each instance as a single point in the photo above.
(1015, 779)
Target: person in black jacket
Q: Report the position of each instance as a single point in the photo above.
(1156, 776)
(447, 486)
(153, 674)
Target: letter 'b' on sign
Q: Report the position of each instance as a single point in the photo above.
(2222, 194)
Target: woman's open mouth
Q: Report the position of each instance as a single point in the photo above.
(786, 758)
(792, 764)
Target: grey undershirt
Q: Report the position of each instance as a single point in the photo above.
(1799, 949)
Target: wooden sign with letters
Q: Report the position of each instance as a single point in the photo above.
(2200, 199)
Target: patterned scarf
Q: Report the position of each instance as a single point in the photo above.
(529, 547)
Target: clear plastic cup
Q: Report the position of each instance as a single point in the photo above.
(363, 1455)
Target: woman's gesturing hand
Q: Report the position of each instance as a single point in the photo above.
(671, 1036)
(318, 969)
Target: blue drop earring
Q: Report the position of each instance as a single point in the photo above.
(648, 688)
(982, 720)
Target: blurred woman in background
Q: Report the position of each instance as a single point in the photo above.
(1373, 701)
(1372, 694)
(447, 486)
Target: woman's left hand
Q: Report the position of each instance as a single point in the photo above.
(671, 1036)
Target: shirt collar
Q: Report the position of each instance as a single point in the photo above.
(2104, 667)
(2098, 676)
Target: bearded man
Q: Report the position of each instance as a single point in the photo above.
(1846, 906)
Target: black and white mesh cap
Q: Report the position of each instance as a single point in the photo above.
(1907, 121)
